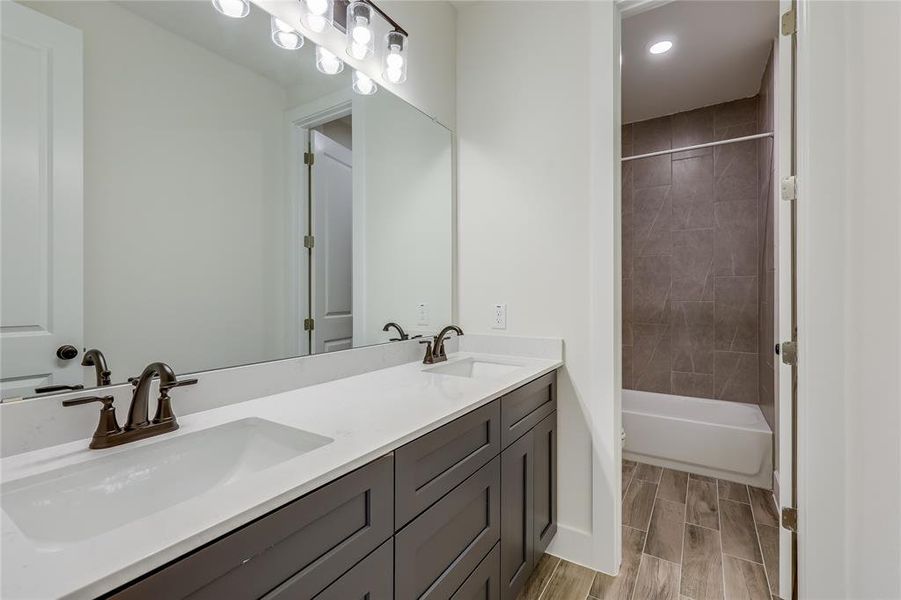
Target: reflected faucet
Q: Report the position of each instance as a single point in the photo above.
(94, 358)
(400, 332)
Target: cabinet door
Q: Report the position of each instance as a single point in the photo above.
(517, 524)
(545, 483)
(485, 582)
(438, 550)
(371, 579)
(430, 466)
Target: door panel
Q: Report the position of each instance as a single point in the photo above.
(545, 483)
(332, 218)
(40, 200)
(517, 525)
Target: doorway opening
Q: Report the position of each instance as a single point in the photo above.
(700, 283)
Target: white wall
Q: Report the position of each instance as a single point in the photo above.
(403, 229)
(538, 226)
(176, 136)
(849, 299)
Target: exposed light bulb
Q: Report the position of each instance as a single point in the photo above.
(358, 51)
(394, 75)
(361, 32)
(394, 61)
(328, 63)
(235, 9)
(284, 36)
(317, 7)
(316, 23)
(363, 85)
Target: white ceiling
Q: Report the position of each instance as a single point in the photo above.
(243, 41)
(720, 49)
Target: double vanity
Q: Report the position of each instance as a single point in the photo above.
(413, 481)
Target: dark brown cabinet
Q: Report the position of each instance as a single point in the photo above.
(461, 513)
(529, 501)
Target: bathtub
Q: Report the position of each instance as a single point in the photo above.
(726, 440)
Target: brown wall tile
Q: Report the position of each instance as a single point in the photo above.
(692, 337)
(736, 314)
(651, 289)
(651, 221)
(693, 192)
(652, 135)
(735, 240)
(692, 265)
(651, 357)
(735, 376)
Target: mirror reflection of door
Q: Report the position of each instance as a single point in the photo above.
(331, 212)
(40, 202)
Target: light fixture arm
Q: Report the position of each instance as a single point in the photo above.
(385, 16)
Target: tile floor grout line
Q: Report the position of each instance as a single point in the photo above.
(682, 547)
(747, 560)
(719, 517)
(766, 575)
(551, 576)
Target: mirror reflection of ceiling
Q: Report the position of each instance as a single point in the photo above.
(242, 41)
(720, 49)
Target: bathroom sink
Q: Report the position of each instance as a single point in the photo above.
(474, 368)
(78, 502)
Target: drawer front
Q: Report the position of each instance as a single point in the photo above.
(429, 467)
(371, 579)
(438, 550)
(525, 407)
(484, 583)
(517, 522)
(545, 481)
(315, 539)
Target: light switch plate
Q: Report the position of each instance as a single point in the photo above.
(422, 313)
(500, 317)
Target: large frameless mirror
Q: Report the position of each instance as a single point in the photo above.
(177, 187)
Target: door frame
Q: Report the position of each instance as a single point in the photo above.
(298, 123)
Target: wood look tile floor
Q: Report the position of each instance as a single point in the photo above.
(685, 537)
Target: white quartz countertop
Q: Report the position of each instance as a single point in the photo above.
(368, 416)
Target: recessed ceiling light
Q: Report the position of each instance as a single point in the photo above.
(660, 47)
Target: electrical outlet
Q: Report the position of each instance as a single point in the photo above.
(500, 317)
(422, 313)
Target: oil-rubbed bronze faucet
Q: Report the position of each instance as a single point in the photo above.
(434, 350)
(400, 332)
(94, 358)
(137, 425)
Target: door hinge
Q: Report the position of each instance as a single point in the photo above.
(309, 324)
(790, 22)
(789, 188)
(790, 518)
(309, 241)
(308, 158)
(789, 352)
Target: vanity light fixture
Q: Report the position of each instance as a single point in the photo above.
(394, 64)
(328, 63)
(236, 9)
(363, 85)
(660, 47)
(360, 40)
(284, 36)
(318, 14)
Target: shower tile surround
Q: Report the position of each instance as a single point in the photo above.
(691, 260)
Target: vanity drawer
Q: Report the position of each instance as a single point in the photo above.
(371, 579)
(429, 467)
(315, 539)
(484, 583)
(436, 552)
(525, 407)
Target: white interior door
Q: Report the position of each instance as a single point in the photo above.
(41, 300)
(784, 141)
(332, 254)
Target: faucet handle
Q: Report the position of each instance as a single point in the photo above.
(107, 425)
(106, 400)
(175, 384)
